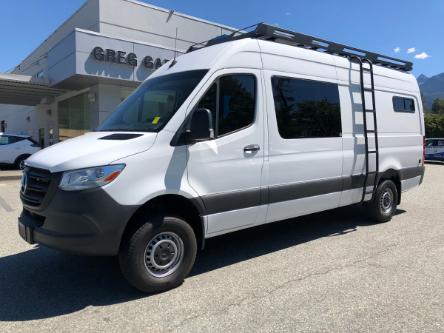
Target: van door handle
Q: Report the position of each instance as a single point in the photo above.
(251, 148)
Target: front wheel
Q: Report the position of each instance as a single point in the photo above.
(384, 202)
(158, 256)
(20, 163)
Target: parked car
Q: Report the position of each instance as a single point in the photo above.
(15, 149)
(238, 132)
(434, 149)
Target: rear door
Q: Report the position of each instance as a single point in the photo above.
(304, 171)
(226, 172)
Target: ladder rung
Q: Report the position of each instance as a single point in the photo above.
(372, 173)
(370, 131)
(372, 151)
(370, 110)
(369, 192)
(365, 69)
(368, 89)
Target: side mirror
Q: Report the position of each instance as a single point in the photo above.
(200, 126)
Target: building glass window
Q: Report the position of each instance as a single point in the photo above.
(306, 108)
(73, 117)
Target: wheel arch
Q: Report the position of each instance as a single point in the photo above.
(395, 176)
(191, 210)
(26, 155)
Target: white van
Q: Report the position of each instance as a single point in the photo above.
(240, 131)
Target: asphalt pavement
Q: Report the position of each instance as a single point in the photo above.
(329, 272)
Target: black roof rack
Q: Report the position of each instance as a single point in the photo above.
(271, 33)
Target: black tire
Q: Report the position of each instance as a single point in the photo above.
(137, 260)
(20, 162)
(383, 205)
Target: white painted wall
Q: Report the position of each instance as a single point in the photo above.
(140, 21)
(16, 118)
(27, 120)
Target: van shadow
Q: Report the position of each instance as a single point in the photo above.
(43, 283)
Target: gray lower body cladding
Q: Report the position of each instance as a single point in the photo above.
(223, 202)
(86, 222)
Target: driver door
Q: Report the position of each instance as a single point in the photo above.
(226, 171)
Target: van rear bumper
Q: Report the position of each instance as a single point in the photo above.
(83, 222)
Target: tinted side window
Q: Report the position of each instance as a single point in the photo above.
(402, 104)
(306, 109)
(232, 101)
(9, 139)
(236, 102)
(14, 139)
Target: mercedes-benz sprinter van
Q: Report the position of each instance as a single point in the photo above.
(243, 130)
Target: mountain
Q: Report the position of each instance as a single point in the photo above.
(421, 79)
(431, 88)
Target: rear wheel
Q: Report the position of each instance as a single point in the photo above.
(158, 256)
(383, 205)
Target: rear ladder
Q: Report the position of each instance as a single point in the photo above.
(371, 177)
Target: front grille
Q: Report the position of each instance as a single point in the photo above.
(35, 185)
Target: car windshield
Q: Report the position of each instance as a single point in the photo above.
(153, 104)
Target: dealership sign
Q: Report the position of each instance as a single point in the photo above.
(121, 57)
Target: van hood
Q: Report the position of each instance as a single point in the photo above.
(90, 150)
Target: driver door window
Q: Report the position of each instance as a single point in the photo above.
(231, 99)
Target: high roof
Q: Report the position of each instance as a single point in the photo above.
(271, 33)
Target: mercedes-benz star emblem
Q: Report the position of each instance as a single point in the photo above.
(24, 182)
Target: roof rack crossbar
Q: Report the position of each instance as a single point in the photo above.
(271, 33)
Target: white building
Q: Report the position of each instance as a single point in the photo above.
(84, 69)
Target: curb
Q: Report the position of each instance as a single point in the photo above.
(10, 177)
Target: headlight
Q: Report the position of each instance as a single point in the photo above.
(83, 179)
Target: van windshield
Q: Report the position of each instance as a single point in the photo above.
(153, 104)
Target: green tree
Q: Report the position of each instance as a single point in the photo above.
(434, 125)
(438, 106)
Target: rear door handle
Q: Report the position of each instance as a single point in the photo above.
(252, 148)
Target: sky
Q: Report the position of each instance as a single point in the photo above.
(411, 30)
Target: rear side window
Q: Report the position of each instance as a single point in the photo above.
(306, 108)
(232, 101)
(403, 104)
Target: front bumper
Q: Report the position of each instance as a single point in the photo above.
(85, 222)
